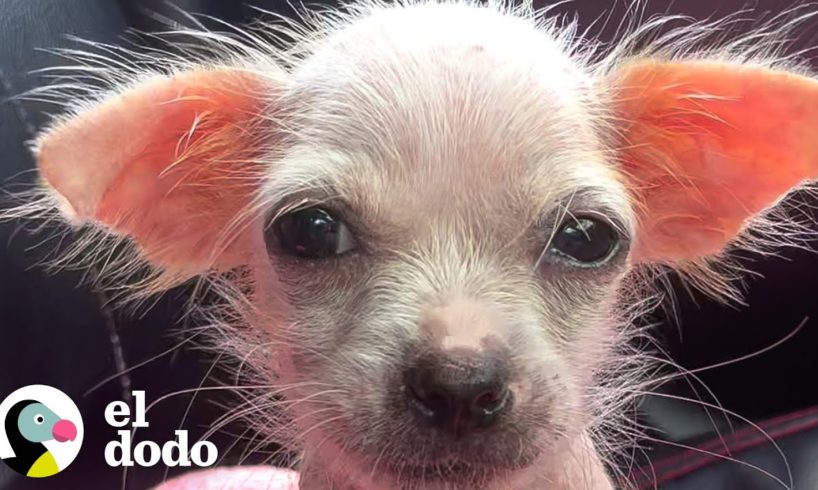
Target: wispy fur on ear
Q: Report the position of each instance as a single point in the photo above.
(740, 40)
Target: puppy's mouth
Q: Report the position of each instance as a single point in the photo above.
(449, 471)
(455, 471)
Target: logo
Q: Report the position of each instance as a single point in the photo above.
(40, 431)
(178, 452)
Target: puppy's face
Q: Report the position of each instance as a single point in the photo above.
(451, 254)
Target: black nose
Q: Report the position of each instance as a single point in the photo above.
(458, 392)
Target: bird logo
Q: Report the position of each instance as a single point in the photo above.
(42, 429)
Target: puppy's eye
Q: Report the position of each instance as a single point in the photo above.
(313, 233)
(585, 241)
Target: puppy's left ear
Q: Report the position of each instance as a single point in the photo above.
(707, 146)
(170, 162)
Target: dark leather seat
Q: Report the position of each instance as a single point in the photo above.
(57, 333)
(746, 459)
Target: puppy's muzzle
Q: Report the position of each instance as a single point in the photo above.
(458, 392)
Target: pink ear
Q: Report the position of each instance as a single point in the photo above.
(169, 163)
(709, 145)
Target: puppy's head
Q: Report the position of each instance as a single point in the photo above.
(437, 206)
(452, 252)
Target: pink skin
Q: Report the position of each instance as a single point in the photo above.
(64, 430)
(246, 478)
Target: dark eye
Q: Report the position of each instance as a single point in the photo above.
(39, 419)
(585, 241)
(313, 233)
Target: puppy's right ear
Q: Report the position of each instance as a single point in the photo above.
(709, 145)
(170, 162)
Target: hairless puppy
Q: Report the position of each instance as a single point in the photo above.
(432, 223)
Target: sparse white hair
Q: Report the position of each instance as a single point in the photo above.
(96, 71)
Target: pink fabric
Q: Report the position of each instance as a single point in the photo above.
(243, 477)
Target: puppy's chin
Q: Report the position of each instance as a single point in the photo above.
(457, 475)
(336, 455)
(453, 475)
(350, 472)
